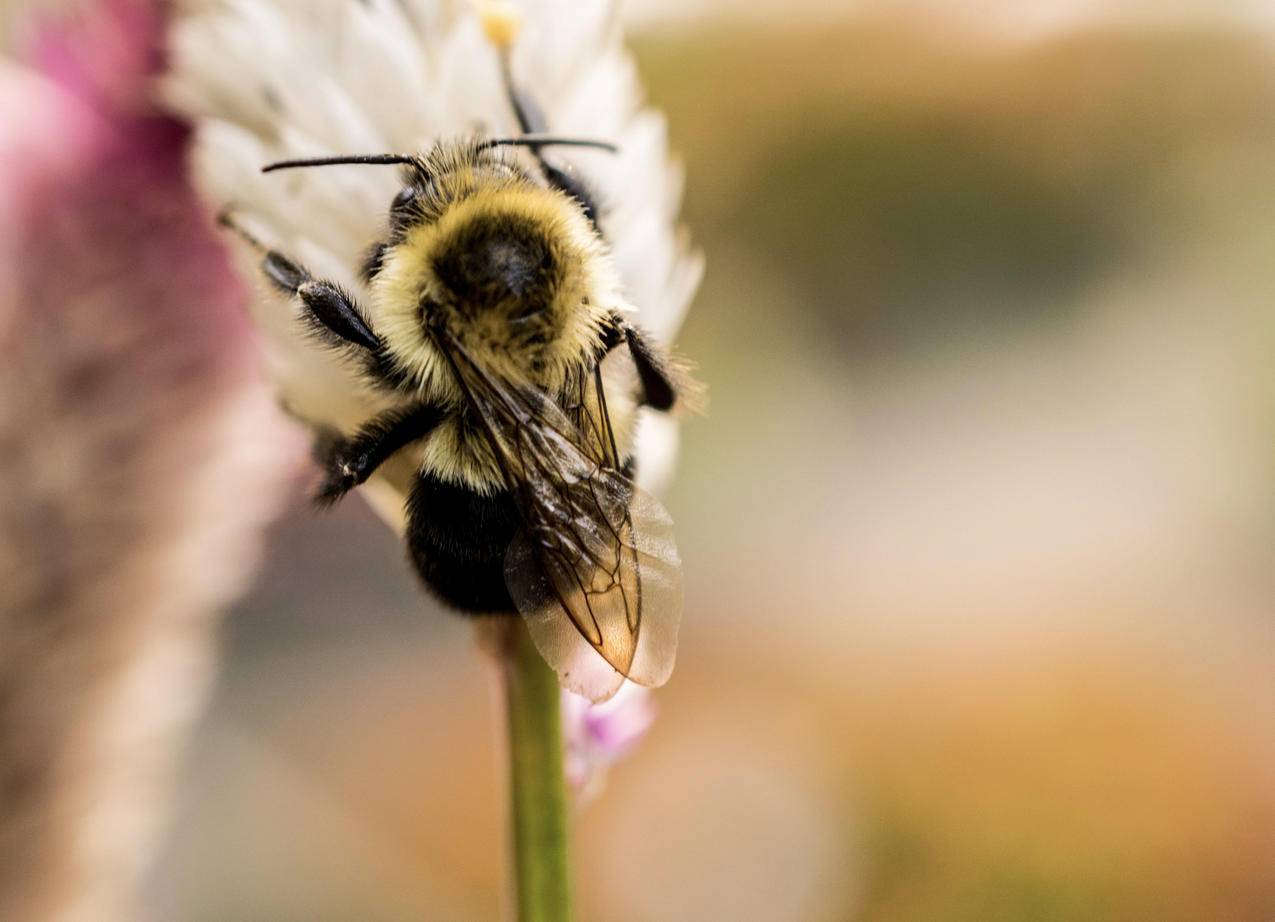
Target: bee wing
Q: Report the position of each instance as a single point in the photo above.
(610, 566)
(586, 408)
(595, 571)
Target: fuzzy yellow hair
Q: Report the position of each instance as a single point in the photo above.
(585, 291)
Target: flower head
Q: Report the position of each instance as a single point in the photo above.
(128, 410)
(283, 79)
(598, 736)
(288, 81)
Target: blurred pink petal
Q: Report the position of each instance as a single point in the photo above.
(139, 460)
(597, 736)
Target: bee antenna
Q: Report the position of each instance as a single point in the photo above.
(335, 161)
(544, 140)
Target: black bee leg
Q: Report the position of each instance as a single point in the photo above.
(349, 462)
(531, 120)
(329, 311)
(659, 391)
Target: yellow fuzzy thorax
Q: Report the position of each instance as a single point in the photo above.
(585, 293)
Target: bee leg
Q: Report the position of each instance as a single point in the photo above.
(531, 120)
(330, 311)
(653, 368)
(349, 462)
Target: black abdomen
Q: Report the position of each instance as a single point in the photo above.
(457, 541)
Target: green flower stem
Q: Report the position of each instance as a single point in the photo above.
(537, 788)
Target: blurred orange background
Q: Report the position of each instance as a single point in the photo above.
(978, 533)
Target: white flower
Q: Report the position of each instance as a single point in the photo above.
(277, 79)
(288, 79)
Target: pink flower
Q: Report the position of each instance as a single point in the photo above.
(139, 459)
(597, 736)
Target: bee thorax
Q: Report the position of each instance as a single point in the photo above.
(500, 265)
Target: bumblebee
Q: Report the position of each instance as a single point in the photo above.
(492, 308)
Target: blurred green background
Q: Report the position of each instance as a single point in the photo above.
(978, 532)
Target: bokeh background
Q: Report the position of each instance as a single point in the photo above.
(978, 533)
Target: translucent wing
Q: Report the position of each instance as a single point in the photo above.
(595, 571)
(586, 407)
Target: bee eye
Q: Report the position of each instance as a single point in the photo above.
(403, 199)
